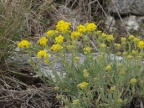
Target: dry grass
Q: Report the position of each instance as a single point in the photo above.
(12, 14)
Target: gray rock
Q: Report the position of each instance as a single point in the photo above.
(110, 23)
(57, 69)
(135, 7)
(131, 23)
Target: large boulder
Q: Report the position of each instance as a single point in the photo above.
(124, 7)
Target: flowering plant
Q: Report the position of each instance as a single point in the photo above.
(101, 81)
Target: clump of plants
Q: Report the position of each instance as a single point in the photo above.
(98, 81)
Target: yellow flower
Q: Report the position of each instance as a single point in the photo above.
(118, 53)
(75, 35)
(59, 39)
(23, 44)
(113, 89)
(52, 33)
(70, 47)
(119, 64)
(133, 81)
(75, 102)
(103, 45)
(134, 52)
(139, 56)
(43, 41)
(122, 72)
(136, 40)
(140, 44)
(129, 56)
(43, 54)
(90, 27)
(76, 58)
(100, 56)
(109, 38)
(56, 88)
(104, 35)
(131, 37)
(87, 50)
(63, 26)
(85, 73)
(59, 97)
(108, 67)
(119, 101)
(123, 39)
(83, 85)
(56, 47)
(81, 28)
(124, 53)
(118, 46)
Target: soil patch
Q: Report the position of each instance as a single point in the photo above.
(21, 88)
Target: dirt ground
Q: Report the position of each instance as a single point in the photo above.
(21, 88)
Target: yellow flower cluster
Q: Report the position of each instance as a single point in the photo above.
(133, 81)
(134, 52)
(75, 102)
(91, 27)
(124, 53)
(56, 47)
(56, 88)
(75, 35)
(103, 35)
(83, 85)
(107, 37)
(120, 101)
(100, 56)
(85, 73)
(23, 44)
(129, 56)
(43, 41)
(113, 89)
(118, 46)
(103, 45)
(131, 37)
(43, 54)
(76, 58)
(87, 50)
(51, 33)
(108, 67)
(70, 47)
(136, 40)
(63, 26)
(123, 39)
(140, 44)
(59, 39)
(81, 28)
